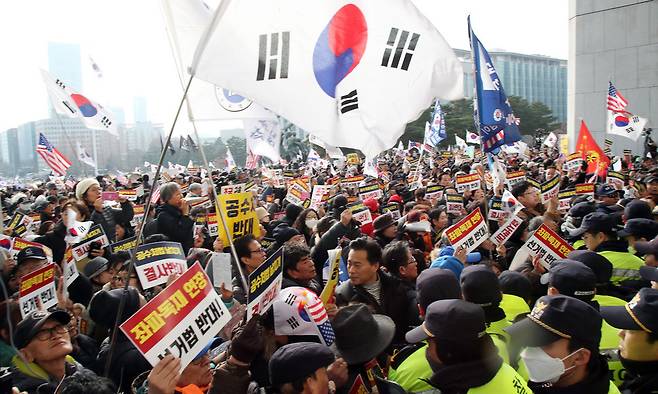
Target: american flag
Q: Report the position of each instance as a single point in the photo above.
(616, 102)
(319, 315)
(55, 160)
(494, 140)
(252, 160)
(155, 196)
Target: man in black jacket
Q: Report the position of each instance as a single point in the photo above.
(298, 269)
(173, 220)
(383, 293)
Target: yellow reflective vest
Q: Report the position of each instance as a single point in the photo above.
(610, 340)
(504, 382)
(513, 306)
(625, 266)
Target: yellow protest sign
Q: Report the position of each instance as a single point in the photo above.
(241, 219)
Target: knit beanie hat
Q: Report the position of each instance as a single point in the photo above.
(84, 185)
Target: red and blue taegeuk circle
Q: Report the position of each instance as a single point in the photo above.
(340, 47)
(86, 107)
(621, 121)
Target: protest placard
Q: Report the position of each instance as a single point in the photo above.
(585, 188)
(240, 216)
(352, 181)
(514, 178)
(550, 189)
(95, 234)
(392, 208)
(19, 244)
(534, 183)
(454, 203)
(353, 159)
(154, 262)
(128, 194)
(469, 232)
(320, 195)
(496, 209)
(546, 244)
(565, 197)
(138, 216)
(70, 270)
(37, 286)
(574, 161)
(265, 284)
(334, 270)
(506, 230)
(370, 191)
(434, 192)
(616, 179)
(125, 245)
(221, 269)
(467, 182)
(19, 219)
(233, 189)
(199, 202)
(360, 212)
(298, 191)
(213, 226)
(181, 320)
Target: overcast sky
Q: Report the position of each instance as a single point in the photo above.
(127, 40)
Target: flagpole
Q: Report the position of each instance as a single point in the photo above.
(67, 137)
(131, 266)
(94, 150)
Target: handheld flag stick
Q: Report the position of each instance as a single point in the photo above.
(214, 197)
(131, 266)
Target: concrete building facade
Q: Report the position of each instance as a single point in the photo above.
(612, 40)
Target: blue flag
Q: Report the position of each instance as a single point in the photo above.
(437, 127)
(492, 112)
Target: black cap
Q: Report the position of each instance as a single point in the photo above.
(601, 266)
(436, 284)
(607, 190)
(571, 278)
(637, 209)
(515, 283)
(640, 228)
(594, 222)
(641, 313)
(31, 252)
(480, 286)
(360, 334)
(456, 320)
(104, 306)
(383, 222)
(27, 329)
(557, 317)
(296, 361)
(644, 248)
(649, 273)
(581, 209)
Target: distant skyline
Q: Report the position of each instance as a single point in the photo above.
(127, 40)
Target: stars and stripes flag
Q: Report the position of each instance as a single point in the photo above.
(298, 311)
(616, 102)
(155, 196)
(55, 160)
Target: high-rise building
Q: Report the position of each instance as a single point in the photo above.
(64, 62)
(613, 40)
(535, 78)
(140, 114)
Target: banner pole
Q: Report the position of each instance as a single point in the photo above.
(131, 266)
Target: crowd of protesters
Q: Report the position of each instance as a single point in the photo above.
(413, 314)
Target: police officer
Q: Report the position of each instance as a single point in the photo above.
(598, 230)
(638, 349)
(461, 354)
(561, 338)
(409, 367)
(575, 279)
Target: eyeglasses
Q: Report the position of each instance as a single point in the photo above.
(122, 278)
(49, 333)
(259, 250)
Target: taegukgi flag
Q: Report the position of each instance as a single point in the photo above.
(353, 73)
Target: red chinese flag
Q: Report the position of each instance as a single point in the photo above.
(596, 160)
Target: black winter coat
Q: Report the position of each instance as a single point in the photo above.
(110, 217)
(330, 240)
(175, 226)
(127, 362)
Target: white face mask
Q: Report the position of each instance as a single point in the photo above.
(542, 367)
(311, 223)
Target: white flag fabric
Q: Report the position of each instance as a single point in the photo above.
(510, 203)
(461, 144)
(332, 151)
(75, 105)
(472, 138)
(263, 137)
(83, 156)
(550, 140)
(400, 146)
(625, 124)
(75, 231)
(230, 163)
(185, 21)
(328, 66)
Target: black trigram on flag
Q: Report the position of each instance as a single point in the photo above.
(273, 53)
(349, 102)
(105, 121)
(400, 42)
